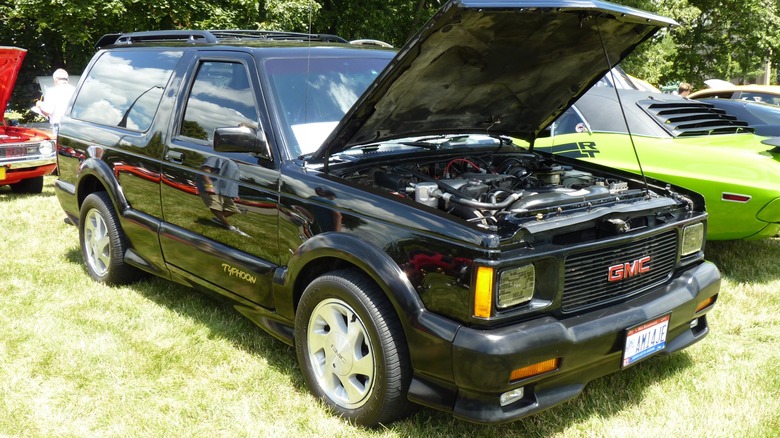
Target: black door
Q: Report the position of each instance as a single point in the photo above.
(220, 209)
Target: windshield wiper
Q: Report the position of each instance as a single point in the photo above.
(434, 142)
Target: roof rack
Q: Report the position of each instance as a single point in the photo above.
(211, 37)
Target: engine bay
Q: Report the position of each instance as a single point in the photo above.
(491, 190)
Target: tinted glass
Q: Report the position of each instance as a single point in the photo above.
(221, 97)
(108, 96)
(312, 95)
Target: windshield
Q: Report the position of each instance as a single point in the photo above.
(313, 94)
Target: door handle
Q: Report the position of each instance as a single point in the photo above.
(174, 157)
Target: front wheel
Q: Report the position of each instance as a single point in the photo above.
(351, 349)
(103, 243)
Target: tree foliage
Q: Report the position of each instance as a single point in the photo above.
(723, 39)
(715, 39)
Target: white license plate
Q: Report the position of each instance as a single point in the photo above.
(645, 339)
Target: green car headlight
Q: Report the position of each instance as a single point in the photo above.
(693, 238)
(516, 286)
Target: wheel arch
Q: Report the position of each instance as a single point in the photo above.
(328, 252)
(96, 176)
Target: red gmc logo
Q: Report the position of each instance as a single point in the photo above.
(626, 270)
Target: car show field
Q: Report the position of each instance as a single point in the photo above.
(153, 359)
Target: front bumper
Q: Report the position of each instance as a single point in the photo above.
(589, 346)
(16, 171)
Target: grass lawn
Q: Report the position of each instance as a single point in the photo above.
(157, 359)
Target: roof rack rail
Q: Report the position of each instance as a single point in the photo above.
(212, 36)
(370, 42)
(276, 35)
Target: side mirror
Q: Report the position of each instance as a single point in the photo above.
(242, 139)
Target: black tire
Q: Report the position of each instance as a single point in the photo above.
(345, 312)
(103, 243)
(32, 185)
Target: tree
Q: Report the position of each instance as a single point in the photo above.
(723, 39)
(715, 39)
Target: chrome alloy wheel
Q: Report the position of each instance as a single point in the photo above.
(341, 353)
(97, 242)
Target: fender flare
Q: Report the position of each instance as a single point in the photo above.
(102, 172)
(350, 248)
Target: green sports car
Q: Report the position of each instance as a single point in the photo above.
(682, 142)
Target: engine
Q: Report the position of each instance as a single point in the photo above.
(515, 188)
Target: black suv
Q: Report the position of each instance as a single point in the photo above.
(370, 208)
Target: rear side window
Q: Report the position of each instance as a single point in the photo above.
(125, 88)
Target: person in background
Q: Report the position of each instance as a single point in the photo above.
(56, 99)
(684, 89)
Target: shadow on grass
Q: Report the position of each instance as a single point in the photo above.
(7, 195)
(216, 313)
(743, 261)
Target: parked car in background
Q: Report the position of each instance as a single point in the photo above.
(762, 117)
(757, 93)
(685, 142)
(368, 207)
(26, 154)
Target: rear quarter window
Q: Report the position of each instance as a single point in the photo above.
(124, 88)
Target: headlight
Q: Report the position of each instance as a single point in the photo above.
(693, 238)
(516, 286)
(46, 147)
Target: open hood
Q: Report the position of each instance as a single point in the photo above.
(10, 62)
(500, 67)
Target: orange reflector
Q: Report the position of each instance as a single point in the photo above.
(706, 303)
(483, 293)
(533, 370)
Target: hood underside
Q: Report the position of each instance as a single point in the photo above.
(494, 67)
(10, 62)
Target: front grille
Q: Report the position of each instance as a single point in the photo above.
(586, 282)
(13, 151)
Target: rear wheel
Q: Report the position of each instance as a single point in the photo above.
(32, 185)
(103, 243)
(351, 349)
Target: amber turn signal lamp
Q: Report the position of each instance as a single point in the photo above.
(535, 369)
(706, 303)
(483, 293)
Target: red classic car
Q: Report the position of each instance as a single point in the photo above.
(26, 154)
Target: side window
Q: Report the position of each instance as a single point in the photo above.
(110, 97)
(760, 97)
(221, 96)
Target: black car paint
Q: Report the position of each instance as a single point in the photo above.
(461, 362)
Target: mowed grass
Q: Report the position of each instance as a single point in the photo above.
(157, 359)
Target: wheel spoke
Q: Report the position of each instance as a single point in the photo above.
(364, 366)
(353, 389)
(103, 251)
(335, 317)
